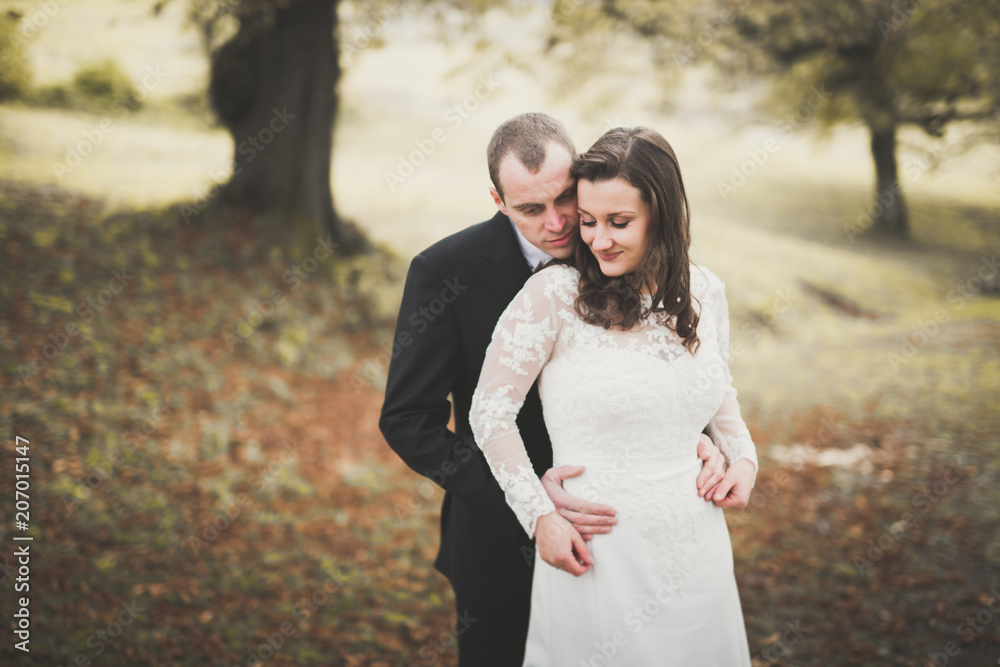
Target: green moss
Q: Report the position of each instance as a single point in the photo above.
(50, 302)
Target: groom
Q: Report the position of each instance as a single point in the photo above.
(455, 292)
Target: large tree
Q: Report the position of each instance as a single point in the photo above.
(885, 63)
(274, 86)
(274, 75)
(275, 69)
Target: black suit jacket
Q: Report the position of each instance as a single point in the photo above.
(455, 292)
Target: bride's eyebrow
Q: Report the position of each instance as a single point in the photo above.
(610, 215)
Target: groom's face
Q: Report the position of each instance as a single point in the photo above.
(542, 205)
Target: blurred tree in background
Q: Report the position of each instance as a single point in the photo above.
(274, 76)
(884, 63)
(15, 73)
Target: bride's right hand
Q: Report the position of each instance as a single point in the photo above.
(560, 545)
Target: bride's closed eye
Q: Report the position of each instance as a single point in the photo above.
(616, 225)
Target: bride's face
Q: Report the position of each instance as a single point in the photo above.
(615, 223)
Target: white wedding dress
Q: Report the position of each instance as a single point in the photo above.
(630, 406)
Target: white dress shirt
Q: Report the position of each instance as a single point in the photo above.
(532, 255)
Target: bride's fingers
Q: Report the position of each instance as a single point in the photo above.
(710, 491)
(574, 504)
(707, 481)
(722, 490)
(733, 500)
(582, 519)
(589, 531)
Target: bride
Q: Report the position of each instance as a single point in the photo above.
(629, 343)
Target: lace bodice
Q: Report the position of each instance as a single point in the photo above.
(613, 400)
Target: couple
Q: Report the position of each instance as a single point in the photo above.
(625, 345)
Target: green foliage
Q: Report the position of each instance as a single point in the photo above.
(924, 63)
(15, 71)
(103, 83)
(98, 87)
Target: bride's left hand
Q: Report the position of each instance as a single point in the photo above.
(734, 489)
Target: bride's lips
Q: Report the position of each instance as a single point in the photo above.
(607, 257)
(562, 240)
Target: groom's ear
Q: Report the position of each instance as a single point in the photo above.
(498, 200)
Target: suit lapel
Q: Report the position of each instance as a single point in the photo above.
(507, 270)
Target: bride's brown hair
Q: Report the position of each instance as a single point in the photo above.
(642, 158)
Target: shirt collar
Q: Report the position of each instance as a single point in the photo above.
(532, 255)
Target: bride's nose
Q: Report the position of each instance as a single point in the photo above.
(602, 241)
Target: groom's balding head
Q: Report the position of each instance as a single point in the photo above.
(526, 137)
(529, 159)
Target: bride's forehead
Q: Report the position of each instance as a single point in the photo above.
(613, 194)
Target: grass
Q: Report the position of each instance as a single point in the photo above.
(264, 478)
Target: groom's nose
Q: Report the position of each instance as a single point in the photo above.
(553, 220)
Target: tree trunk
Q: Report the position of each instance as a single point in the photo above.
(889, 209)
(274, 86)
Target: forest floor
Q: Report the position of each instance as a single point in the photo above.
(206, 468)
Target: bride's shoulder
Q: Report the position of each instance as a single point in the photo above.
(559, 280)
(704, 282)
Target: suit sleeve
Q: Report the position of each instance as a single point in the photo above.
(423, 370)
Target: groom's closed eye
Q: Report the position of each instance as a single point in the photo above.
(567, 196)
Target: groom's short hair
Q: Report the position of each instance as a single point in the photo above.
(525, 136)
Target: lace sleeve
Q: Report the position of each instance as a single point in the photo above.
(522, 342)
(727, 428)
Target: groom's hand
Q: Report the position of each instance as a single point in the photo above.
(712, 470)
(587, 518)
